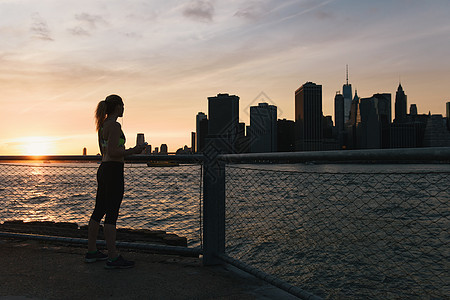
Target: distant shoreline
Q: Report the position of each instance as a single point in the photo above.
(362, 162)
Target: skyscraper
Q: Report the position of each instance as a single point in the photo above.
(447, 115)
(193, 142)
(200, 132)
(413, 110)
(447, 110)
(347, 93)
(285, 135)
(263, 128)
(404, 131)
(223, 124)
(375, 121)
(384, 107)
(140, 140)
(352, 127)
(339, 111)
(339, 117)
(308, 117)
(355, 112)
(400, 105)
(436, 134)
(243, 141)
(163, 149)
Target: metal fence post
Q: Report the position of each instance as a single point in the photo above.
(213, 211)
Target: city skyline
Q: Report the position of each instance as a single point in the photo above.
(369, 124)
(166, 57)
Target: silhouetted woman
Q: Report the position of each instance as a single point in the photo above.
(110, 181)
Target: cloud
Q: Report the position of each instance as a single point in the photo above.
(133, 35)
(323, 15)
(87, 23)
(252, 11)
(90, 20)
(199, 10)
(39, 28)
(79, 31)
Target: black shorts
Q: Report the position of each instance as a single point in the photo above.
(109, 192)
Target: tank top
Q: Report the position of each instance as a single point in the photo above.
(104, 142)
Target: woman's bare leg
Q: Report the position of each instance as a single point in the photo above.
(92, 234)
(110, 237)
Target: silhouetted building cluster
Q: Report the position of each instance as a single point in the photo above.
(360, 123)
(370, 127)
(163, 149)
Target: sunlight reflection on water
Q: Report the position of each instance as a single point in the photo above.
(155, 198)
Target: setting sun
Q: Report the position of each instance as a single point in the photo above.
(198, 49)
(38, 145)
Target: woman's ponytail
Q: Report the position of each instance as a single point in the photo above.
(105, 107)
(100, 114)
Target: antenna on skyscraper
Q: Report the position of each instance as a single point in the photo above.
(347, 72)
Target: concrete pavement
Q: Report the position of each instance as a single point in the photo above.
(42, 270)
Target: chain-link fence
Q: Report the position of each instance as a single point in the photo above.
(337, 234)
(156, 198)
(341, 235)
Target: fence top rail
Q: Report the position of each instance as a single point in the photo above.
(375, 155)
(194, 158)
(431, 154)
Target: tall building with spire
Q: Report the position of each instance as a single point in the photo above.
(400, 105)
(355, 113)
(353, 124)
(347, 93)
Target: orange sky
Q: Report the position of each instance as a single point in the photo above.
(57, 60)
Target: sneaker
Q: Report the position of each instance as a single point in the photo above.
(96, 256)
(119, 263)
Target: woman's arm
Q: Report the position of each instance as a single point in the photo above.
(99, 142)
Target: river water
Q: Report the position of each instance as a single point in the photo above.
(338, 230)
(155, 198)
(344, 231)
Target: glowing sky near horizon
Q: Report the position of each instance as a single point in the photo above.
(59, 58)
